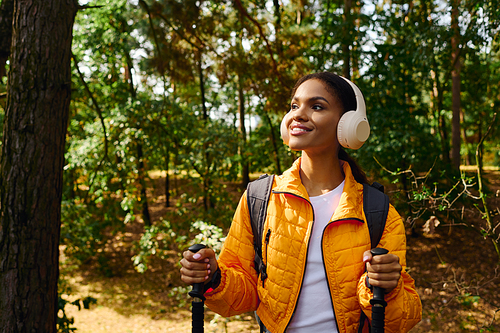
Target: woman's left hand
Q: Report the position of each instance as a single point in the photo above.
(383, 270)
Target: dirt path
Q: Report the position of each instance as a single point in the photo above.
(457, 274)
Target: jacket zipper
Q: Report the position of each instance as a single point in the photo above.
(324, 267)
(326, 274)
(263, 273)
(305, 265)
(307, 252)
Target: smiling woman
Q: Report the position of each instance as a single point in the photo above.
(312, 120)
(316, 252)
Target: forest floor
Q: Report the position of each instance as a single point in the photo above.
(456, 271)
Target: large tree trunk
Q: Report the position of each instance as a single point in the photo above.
(455, 87)
(39, 91)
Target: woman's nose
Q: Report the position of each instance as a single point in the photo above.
(300, 114)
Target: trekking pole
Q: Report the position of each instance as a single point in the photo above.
(378, 303)
(198, 299)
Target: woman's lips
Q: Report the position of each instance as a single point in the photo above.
(298, 129)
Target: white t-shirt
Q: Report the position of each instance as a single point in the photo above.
(314, 311)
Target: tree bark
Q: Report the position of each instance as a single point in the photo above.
(36, 120)
(455, 87)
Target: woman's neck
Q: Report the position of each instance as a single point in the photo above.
(320, 174)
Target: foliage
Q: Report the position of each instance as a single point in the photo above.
(165, 85)
(64, 323)
(158, 239)
(180, 295)
(460, 204)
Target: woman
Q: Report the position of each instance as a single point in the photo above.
(317, 253)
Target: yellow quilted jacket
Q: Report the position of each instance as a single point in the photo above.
(346, 237)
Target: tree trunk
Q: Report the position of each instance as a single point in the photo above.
(207, 200)
(245, 173)
(202, 87)
(142, 181)
(346, 43)
(36, 119)
(443, 133)
(167, 178)
(275, 146)
(455, 87)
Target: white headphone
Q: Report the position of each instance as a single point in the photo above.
(353, 128)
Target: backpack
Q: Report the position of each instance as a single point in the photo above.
(375, 205)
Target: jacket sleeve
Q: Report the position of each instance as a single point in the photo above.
(404, 309)
(237, 290)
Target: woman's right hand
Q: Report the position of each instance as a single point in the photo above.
(198, 267)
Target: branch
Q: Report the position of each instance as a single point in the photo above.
(415, 181)
(143, 4)
(88, 7)
(96, 105)
(181, 35)
(3, 95)
(146, 8)
(480, 173)
(261, 32)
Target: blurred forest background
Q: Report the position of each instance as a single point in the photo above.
(175, 107)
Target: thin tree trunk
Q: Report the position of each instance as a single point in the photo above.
(140, 155)
(36, 120)
(202, 88)
(275, 146)
(443, 132)
(455, 86)
(245, 173)
(207, 202)
(277, 27)
(142, 181)
(346, 44)
(167, 179)
(354, 53)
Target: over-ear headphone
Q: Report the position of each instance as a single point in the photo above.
(353, 128)
(284, 130)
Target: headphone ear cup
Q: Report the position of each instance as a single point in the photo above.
(284, 130)
(353, 130)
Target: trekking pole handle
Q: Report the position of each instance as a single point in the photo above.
(378, 293)
(378, 303)
(197, 291)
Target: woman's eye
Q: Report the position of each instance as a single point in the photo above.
(294, 106)
(317, 107)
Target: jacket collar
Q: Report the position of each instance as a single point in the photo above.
(351, 202)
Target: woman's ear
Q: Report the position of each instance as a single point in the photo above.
(284, 130)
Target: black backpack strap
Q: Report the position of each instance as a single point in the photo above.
(258, 193)
(376, 207)
(362, 320)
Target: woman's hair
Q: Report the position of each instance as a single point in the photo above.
(342, 91)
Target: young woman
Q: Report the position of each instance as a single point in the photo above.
(318, 251)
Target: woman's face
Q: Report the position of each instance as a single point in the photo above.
(312, 120)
